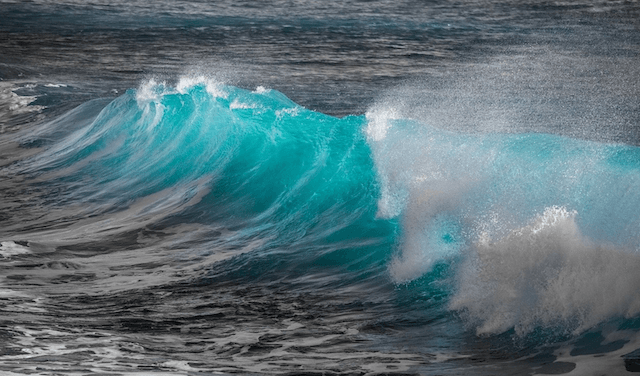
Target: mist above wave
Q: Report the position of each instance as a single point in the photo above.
(521, 172)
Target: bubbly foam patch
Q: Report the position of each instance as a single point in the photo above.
(546, 274)
(601, 363)
(379, 120)
(426, 178)
(152, 90)
(238, 105)
(213, 87)
(261, 90)
(55, 85)
(12, 104)
(447, 184)
(149, 90)
(429, 234)
(9, 249)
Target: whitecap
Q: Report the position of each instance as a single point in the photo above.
(10, 248)
(546, 274)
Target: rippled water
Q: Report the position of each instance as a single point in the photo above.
(301, 187)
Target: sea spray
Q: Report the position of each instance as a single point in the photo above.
(542, 229)
(182, 224)
(546, 274)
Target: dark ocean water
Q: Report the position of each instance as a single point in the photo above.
(319, 188)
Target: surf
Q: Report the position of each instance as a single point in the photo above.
(539, 229)
(517, 229)
(266, 173)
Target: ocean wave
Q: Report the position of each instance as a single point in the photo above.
(270, 188)
(540, 229)
(200, 151)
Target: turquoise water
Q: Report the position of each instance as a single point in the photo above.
(527, 219)
(531, 236)
(344, 188)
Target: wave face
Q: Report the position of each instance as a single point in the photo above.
(213, 155)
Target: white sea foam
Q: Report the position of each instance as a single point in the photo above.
(261, 90)
(429, 234)
(12, 104)
(149, 90)
(237, 105)
(426, 178)
(607, 363)
(393, 195)
(213, 87)
(293, 112)
(379, 120)
(546, 274)
(9, 249)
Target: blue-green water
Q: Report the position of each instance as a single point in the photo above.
(312, 200)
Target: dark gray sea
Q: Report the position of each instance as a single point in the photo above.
(307, 187)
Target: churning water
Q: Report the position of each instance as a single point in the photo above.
(307, 187)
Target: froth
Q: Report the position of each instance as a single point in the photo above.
(546, 274)
(213, 87)
(238, 105)
(9, 249)
(426, 178)
(430, 234)
(151, 90)
(379, 121)
(12, 104)
(148, 91)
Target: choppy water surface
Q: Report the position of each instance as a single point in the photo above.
(319, 188)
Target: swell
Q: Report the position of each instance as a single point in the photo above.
(511, 230)
(204, 168)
